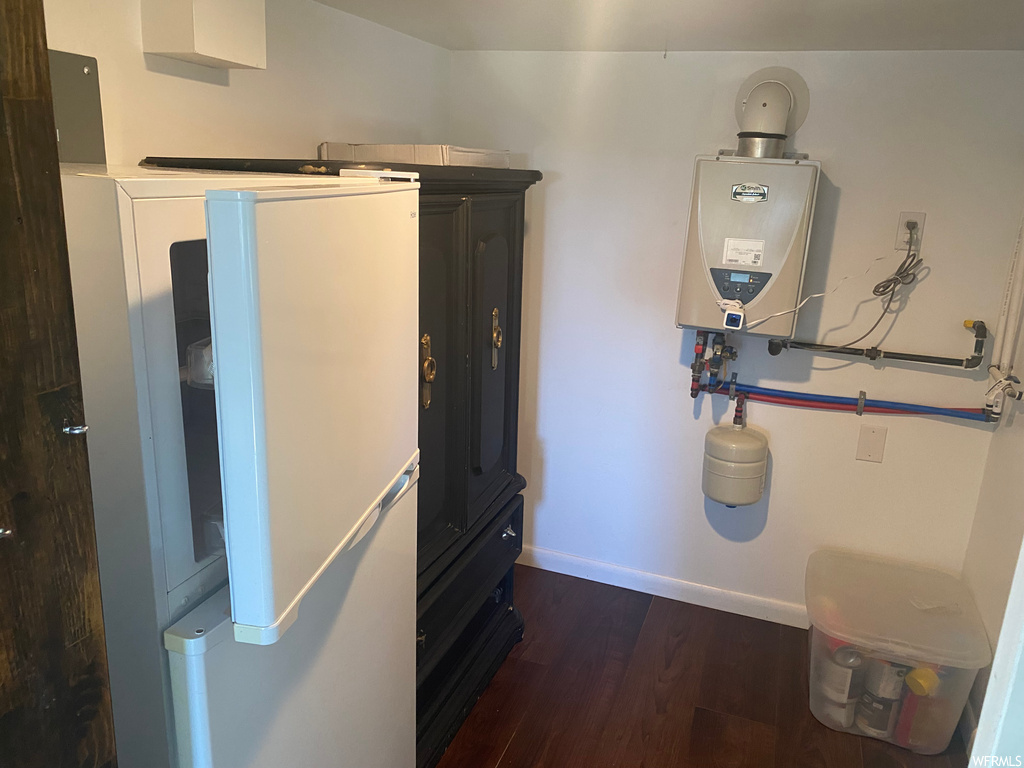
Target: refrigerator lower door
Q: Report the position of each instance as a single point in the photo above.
(314, 303)
(337, 690)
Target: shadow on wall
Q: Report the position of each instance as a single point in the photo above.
(741, 524)
(177, 68)
(721, 406)
(819, 255)
(531, 447)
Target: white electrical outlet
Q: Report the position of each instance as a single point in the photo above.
(903, 234)
(871, 445)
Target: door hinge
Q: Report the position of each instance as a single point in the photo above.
(74, 429)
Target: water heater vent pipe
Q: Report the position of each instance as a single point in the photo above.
(770, 106)
(763, 127)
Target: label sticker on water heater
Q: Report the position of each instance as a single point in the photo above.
(748, 253)
(749, 193)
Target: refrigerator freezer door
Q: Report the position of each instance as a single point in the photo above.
(314, 299)
(338, 689)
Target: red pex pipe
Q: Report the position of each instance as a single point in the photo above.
(820, 406)
(797, 403)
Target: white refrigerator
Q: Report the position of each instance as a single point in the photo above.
(249, 362)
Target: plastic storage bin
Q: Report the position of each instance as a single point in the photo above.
(894, 648)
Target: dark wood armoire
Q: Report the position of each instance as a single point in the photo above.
(470, 507)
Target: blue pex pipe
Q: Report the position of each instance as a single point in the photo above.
(927, 409)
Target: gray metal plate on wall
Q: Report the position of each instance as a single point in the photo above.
(74, 80)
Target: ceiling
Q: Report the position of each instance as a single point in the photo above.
(701, 25)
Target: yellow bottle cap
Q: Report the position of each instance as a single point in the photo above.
(922, 681)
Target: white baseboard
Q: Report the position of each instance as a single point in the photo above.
(793, 614)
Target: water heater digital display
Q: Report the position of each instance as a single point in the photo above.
(764, 234)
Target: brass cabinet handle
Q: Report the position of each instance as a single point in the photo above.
(495, 339)
(429, 369)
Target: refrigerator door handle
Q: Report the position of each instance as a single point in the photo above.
(399, 488)
(394, 493)
(260, 635)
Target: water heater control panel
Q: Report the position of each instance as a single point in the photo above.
(746, 242)
(744, 286)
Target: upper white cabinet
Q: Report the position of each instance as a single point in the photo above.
(217, 33)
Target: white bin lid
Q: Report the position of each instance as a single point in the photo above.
(895, 609)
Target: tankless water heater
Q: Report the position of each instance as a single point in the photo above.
(750, 218)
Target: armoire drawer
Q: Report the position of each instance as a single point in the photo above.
(445, 609)
(445, 697)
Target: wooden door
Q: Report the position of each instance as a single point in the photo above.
(54, 692)
(495, 283)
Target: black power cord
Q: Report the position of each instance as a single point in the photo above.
(905, 274)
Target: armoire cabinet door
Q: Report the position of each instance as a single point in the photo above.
(444, 222)
(495, 285)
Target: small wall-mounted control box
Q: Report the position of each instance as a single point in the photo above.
(228, 34)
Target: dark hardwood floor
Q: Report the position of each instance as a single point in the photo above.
(607, 677)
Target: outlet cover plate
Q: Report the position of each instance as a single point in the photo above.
(871, 445)
(903, 234)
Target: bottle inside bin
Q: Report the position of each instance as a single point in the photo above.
(925, 711)
(841, 680)
(879, 705)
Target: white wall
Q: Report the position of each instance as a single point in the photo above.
(330, 76)
(609, 439)
(998, 530)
